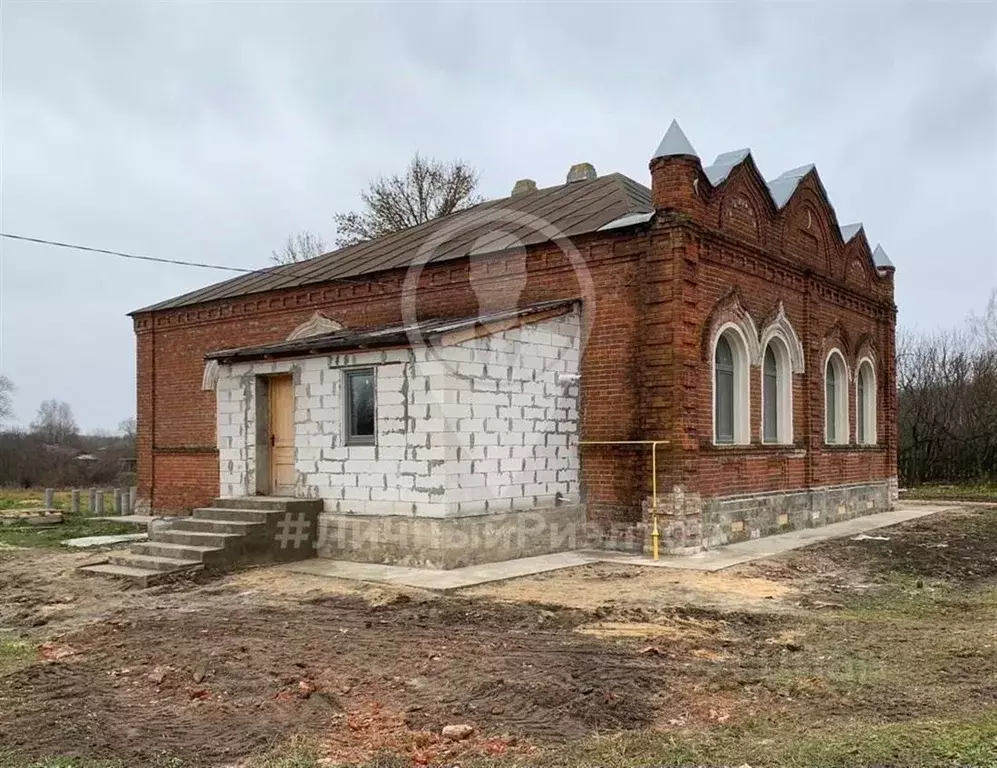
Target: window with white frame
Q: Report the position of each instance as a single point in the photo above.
(865, 403)
(835, 399)
(730, 388)
(359, 406)
(777, 393)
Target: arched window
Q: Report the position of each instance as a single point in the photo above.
(865, 404)
(724, 392)
(835, 399)
(730, 387)
(777, 393)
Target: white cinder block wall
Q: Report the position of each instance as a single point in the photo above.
(483, 426)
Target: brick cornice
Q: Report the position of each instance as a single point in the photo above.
(544, 261)
(730, 252)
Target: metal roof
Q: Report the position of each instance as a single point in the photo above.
(880, 259)
(724, 164)
(629, 220)
(674, 143)
(397, 335)
(783, 185)
(572, 209)
(848, 231)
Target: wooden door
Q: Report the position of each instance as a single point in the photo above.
(282, 474)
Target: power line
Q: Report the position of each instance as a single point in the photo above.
(156, 259)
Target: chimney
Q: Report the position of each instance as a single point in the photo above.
(523, 187)
(581, 172)
(675, 175)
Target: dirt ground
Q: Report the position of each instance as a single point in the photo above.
(217, 673)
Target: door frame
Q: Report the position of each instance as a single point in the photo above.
(264, 454)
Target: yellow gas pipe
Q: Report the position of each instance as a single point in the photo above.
(655, 534)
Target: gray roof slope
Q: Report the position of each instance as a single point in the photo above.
(880, 259)
(573, 209)
(848, 231)
(674, 143)
(783, 185)
(724, 164)
(398, 334)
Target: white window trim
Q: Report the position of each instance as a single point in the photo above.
(784, 390)
(841, 420)
(870, 406)
(742, 383)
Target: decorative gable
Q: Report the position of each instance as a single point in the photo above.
(316, 325)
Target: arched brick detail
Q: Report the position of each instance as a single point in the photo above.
(780, 327)
(730, 310)
(857, 273)
(865, 346)
(836, 337)
(315, 325)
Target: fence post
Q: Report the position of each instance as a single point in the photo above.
(98, 508)
(49, 498)
(93, 501)
(76, 501)
(117, 501)
(124, 501)
(132, 498)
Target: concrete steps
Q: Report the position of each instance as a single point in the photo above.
(139, 577)
(231, 533)
(235, 515)
(153, 563)
(214, 525)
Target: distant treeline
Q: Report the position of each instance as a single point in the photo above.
(27, 460)
(947, 389)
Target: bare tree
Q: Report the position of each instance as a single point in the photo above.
(55, 422)
(127, 427)
(984, 327)
(427, 190)
(299, 247)
(6, 398)
(947, 405)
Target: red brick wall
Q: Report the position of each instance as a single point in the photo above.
(646, 367)
(732, 246)
(176, 419)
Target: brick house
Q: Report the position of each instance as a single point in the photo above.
(514, 363)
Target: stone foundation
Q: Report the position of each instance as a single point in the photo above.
(691, 524)
(687, 523)
(447, 543)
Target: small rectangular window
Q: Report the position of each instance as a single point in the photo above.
(360, 407)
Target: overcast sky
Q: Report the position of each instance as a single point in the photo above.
(211, 131)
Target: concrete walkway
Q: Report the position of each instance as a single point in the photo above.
(85, 542)
(711, 560)
(767, 546)
(138, 520)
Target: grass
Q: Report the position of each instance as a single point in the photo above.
(50, 537)
(913, 744)
(76, 762)
(34, 498)
(297, 752)
(14, 655)
(954, 492)
(968, 743)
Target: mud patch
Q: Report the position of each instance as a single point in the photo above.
(217, 685)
